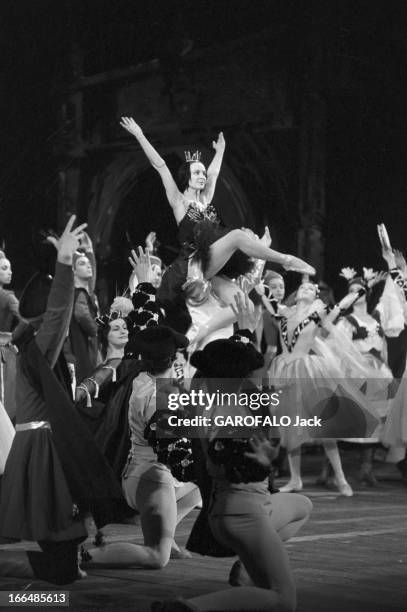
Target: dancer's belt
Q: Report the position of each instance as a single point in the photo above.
(33, 425)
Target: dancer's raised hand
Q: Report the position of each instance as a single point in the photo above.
(400, 262)
(219, 145)
(247, 316)
(378, 278)
(263, 451)
(141, 264)
(68, 242)
(86, 242)
(131, 126)
(266, 238)
(389, 257)
(150, 240)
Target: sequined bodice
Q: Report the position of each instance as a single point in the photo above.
(195, 213)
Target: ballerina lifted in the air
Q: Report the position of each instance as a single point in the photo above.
(203, 242)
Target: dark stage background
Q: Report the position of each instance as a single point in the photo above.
(311, 96)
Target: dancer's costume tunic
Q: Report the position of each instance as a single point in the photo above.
(54, 473)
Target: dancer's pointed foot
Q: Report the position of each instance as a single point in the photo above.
(343, 487)
(295, 264)
(323, 478)
(177, 552)
(81, 573)
(292, 486)
(366, 475)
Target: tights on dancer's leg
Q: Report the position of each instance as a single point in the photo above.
(332, 453)
(294, 463)
(159, 516)
(260, 549)
(289, 513)
(188, 496)
(222, 250)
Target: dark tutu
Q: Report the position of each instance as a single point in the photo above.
(196, 238)
(207, 232)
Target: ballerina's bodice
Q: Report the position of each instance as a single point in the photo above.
(298, 342)
(196, 212)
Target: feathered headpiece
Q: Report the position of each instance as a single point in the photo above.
(352, 277)
(122, 304)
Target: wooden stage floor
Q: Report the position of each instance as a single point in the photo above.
(351, 556)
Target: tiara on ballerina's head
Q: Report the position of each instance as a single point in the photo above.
(194, 157)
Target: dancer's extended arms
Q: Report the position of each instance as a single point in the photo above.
(174, 196)
(142, 271)
(52, 332)
(214, 168)
(345, 303)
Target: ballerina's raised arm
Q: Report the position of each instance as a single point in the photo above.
(198, 184)
(174, 195)
(214, 168)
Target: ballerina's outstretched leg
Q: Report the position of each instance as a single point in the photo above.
(222, 250)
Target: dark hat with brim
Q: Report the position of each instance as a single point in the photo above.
(156, 342)
(34, 298)
(227, 359)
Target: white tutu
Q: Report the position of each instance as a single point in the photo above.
(314, 385)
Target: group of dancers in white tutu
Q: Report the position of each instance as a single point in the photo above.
(328, 361)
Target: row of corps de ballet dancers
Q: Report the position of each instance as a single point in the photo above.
(197, 317)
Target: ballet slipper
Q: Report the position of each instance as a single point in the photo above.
(343, 487)
(366, 475)
(291, 487)
(295, 264)
(180, 553)
(81, 573)
(173, 605)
